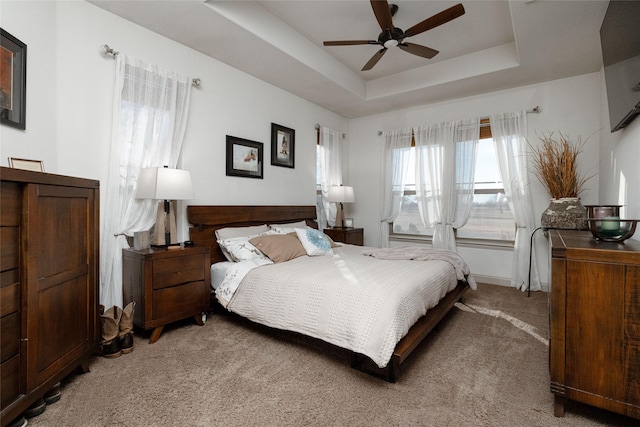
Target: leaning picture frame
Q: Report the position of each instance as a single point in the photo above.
(26, 164)
(13, 81)
(244, 158)
(283, 144)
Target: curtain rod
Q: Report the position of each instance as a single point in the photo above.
(109, 51)
(535, 110)
(317, 126)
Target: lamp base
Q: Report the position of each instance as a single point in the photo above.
(164, 232)
(339, 216)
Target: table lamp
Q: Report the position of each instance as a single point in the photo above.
(164, 184)
(339, 195)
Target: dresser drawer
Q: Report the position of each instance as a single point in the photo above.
(632, 304)
(9, 381)
(9, 292)
(9, 248)
(170, 302)
(11, 206)
(10, 336)
(176, 271)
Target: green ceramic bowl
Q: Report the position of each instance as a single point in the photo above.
(612, 229)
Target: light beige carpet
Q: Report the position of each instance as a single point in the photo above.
(486, 365)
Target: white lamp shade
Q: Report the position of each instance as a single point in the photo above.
(341, 194)
(164, 184)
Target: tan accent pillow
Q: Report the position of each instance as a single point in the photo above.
(279, 247)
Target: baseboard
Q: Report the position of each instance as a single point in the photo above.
(492, 280)
(501, 281)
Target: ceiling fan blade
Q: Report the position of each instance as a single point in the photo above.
(349, 42)
(383, 14)
(438, 19)
(374, 59)
(416, 49)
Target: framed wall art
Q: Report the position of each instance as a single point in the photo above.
(244, 157)
(26, 164)
(13, 80)
(283, 144)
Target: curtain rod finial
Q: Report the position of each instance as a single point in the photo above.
(109, 51)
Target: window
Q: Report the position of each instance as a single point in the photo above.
(490, 218)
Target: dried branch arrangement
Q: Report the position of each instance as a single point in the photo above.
(555, 165)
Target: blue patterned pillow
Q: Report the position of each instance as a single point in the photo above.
(314, 241)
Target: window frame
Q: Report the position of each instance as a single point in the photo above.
(485, 133)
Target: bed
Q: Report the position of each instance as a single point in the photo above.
(262, 289)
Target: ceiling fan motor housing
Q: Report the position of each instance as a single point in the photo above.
(396, 34)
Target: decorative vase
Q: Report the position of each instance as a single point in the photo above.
(566, 213)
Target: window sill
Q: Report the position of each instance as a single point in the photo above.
(468, 243)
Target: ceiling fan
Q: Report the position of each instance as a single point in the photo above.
(392, 36)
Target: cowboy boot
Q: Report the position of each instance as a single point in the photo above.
(110, 322)
(125, 335)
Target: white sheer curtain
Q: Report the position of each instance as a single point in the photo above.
(445, 169)
(150, 112)
(397, 149)
(330, 171)
(509, 132)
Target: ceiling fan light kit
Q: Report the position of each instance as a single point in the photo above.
(392, 36)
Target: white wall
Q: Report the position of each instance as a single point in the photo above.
(34, 23)
(570, 106)
(619, 171)
(69, 105)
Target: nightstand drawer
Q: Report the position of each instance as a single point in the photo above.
(176, 271)
(170, 301)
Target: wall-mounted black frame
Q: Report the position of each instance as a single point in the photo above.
(283, 144)
(13, 81)
(244, 157)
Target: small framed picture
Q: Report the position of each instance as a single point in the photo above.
(283, 144)
(244, 157)
(348, 223)
(26, 164)
(13, 80)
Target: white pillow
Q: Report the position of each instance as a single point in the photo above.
(240, 249)
(231, 232)
(315, 242)
(288, 228)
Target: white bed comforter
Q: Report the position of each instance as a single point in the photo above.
(350, 300)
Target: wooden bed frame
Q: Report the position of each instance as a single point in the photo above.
(205, 220)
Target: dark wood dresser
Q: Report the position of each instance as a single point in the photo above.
(595, 322)
(49, 227)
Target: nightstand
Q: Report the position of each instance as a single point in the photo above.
(167, 285)
(352, 236)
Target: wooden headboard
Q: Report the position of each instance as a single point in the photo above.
(205, 220)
